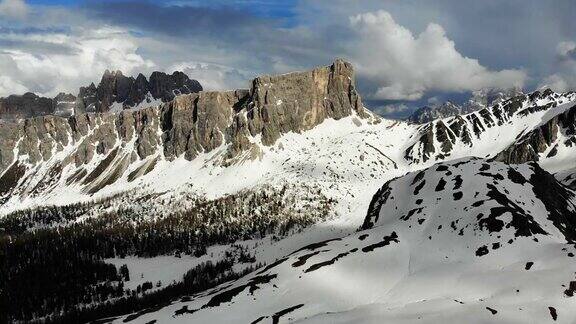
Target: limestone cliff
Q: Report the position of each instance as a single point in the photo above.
(186, 126)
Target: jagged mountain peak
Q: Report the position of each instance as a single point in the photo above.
(114, 92)
(117, 92)
(428, 113)
(112, 73)
(490, 96)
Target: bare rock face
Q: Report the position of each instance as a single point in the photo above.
(87, 100)
(196, 123)
(542, 139)
(138, 91)
(166, 87)
(64, 104)
(185, 126)
(27, 105)
(300, 101)
(113, 87)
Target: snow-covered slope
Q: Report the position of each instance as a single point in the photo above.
(469, 241)
(341, 155)
(487, 132)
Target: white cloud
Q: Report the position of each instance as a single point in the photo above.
(393, 108)
(212, 76)
(14, 9)
(87, 54)
(565, 49)
(555, 82)
(9, 86)
(565, 79)
(404, 66)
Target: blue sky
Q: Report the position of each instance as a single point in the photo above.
(406, 53)
(263, 8)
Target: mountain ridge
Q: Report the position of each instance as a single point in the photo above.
(114, 92)
(480, 99)
(186, 126)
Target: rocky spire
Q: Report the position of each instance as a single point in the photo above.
(128, 92)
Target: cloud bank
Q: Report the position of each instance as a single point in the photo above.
(565, 78)
(13, 9)
(406, 66)
(74, 58)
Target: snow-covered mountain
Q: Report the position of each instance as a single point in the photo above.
(208, 186)
(427, 114)
(480, 99)
(491, 131)
(469, 241)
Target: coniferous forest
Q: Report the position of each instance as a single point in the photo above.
(52, 258)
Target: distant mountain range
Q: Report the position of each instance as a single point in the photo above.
(115, 92)
(480, 99)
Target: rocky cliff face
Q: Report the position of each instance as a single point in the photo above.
(302, 101)
(544, 141)
(96, 149)
(28, 105)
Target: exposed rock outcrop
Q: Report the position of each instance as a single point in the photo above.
(300, 101)
(128, 92)
(544, 139)
(28, 105)
(64, 104)
(115, 91)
